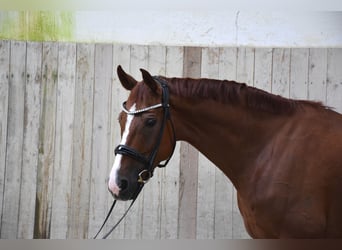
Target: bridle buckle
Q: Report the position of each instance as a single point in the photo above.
(144, 176)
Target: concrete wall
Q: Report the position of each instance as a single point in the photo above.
(185, 28)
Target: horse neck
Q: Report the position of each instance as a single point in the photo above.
(231, 136)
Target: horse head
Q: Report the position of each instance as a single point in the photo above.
(147, 134)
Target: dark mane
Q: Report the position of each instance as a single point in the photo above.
(232, 92)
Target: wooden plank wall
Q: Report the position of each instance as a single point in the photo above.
(59, 104)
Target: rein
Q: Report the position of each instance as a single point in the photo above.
(147, 172)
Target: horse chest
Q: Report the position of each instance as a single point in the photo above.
(277, 215)
(261, 217)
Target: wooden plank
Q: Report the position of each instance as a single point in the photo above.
(263, 69)
(47, 132)
(188, 180)
(206, 169)
(281, 72)
(206, 199)
(15, 136)
(31, 141)
(82, 141)
(334, 79)
(299, 66)
(134, 221)
(121, 56)
(223, 187)
(317, 87)
(170, 185)
(227, 63)
(101, 135)
(4, 87)
(224, 195)
(61, 201)
(153, 190)
(245, 65)
(245, 74)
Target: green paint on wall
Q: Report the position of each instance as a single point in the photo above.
(37, 25)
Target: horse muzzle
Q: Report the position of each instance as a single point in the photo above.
(123, 188)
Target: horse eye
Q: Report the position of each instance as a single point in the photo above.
(150, 122)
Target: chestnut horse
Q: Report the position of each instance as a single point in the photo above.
(283, 156)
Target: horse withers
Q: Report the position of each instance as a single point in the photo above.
(283, 156)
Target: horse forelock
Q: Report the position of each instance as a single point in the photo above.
(142, 95)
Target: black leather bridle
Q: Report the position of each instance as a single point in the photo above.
(148, 162)
(147, 172)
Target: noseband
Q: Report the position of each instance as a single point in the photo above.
(148, 162)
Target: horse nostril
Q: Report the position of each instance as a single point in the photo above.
(123, 184)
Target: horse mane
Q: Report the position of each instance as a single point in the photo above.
(232, 92)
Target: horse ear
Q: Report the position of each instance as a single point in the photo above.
(127, 81)
(148, 79)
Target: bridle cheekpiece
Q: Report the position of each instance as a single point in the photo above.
(147, 172)
(148, 162)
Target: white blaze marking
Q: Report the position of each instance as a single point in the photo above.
(113, 187)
